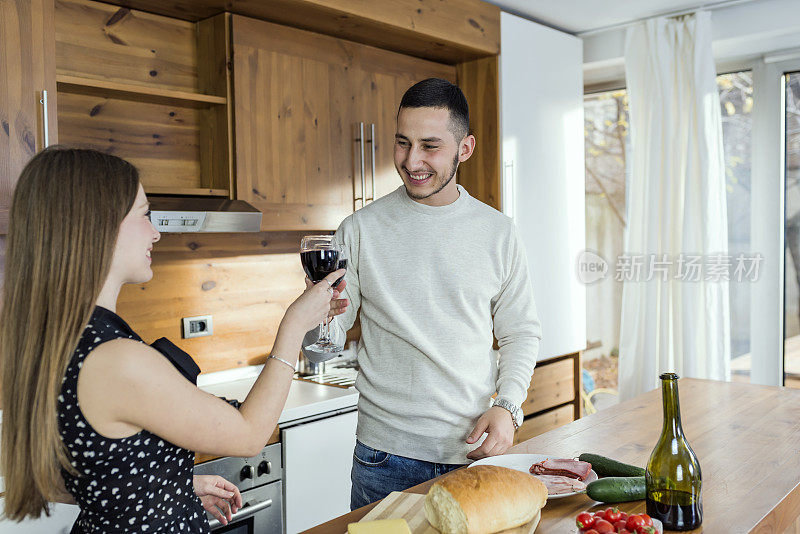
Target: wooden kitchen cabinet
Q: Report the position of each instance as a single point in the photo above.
(300, 98)
(539, 424)
(147, 88)
(382, 79)
(27, 68)
(553, 397)
(447, 31)
(291, 116)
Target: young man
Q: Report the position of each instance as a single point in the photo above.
(434, 272)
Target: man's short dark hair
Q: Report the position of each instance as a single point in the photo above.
(439, 93)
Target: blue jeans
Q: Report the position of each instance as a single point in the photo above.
(376, 474)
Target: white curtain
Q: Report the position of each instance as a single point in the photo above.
(676, 321)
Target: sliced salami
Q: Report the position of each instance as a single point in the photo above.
(558, 485)
(562, 467)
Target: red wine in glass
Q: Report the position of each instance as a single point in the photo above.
(320, 263)
(321, 255)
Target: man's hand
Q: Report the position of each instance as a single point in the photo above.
(499, 426)
(219, 497)
(338, 306)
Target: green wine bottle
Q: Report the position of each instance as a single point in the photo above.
(673, 476)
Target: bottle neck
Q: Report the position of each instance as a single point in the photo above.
(672, 409)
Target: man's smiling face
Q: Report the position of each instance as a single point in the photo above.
(427, 154)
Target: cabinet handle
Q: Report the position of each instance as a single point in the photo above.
(45, 122)
(360, 140)
(363, 170)
(372, 159)
(507, 194)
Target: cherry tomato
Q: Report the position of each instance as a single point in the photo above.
(624, 531)
(612, 515)
(619, 525)
(646, 530)
(592, 531)
(647, 520)
(585, 520)
(603, 527)
(634, 522)
(623, 516)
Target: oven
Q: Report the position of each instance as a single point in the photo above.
(259, 481)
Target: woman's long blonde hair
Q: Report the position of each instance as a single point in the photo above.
(64, 220)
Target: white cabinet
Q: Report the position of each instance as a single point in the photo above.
(541, 99)
(317, 457)
(62, 517)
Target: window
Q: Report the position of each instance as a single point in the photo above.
(606, 148)
(736, 101)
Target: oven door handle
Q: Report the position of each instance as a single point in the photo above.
(243, 513)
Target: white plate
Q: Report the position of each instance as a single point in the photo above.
(523, 462)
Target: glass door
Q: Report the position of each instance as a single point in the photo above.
(791, 331)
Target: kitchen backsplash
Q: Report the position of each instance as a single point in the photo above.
(244, 281)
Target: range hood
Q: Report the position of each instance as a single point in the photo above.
(193, 214)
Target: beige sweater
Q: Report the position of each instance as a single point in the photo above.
(432, 284)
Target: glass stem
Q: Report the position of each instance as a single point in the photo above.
(324, 334)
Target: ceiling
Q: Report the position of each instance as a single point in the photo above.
(577, 16)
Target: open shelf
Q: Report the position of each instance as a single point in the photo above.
(143, 93)
(189, 191)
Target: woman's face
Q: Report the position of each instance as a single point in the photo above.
(131, 262)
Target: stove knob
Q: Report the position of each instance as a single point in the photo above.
(264, 468)
(247, 472)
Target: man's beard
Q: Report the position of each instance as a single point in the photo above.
(444, 184)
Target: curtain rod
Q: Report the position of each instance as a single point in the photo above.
(709, 7)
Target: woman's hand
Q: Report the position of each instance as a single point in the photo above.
(315, 304)
(338, 306)
(220, 498)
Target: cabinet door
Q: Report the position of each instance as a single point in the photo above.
(293, 107)
(27, 67)
(542, 132)
(383, 78)
(318, 457)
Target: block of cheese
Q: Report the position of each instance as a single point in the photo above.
(381, 526)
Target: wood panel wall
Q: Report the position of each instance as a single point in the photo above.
(105, 42)
(26, 68)
(162, 140)
(245, 281)
(481, 175)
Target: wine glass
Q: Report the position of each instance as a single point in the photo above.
(320, 256)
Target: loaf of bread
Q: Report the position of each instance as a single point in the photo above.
(484, 499)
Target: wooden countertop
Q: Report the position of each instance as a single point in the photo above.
(746, 437)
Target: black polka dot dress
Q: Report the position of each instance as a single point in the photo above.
(140, 483)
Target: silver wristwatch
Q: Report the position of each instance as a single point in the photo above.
(516, 413)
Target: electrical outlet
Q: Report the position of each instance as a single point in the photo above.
(197, 326)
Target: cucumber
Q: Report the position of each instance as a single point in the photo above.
(606, 467)
(616, 489)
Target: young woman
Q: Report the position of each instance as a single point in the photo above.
(91, 414)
